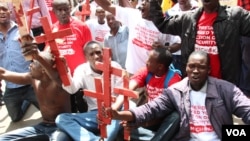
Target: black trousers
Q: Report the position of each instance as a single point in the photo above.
(78, 103)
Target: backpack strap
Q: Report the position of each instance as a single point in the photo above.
(149, 76)
(168, 77)
(171, 72)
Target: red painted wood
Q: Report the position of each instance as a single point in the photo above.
(103, 91)
(50, 37)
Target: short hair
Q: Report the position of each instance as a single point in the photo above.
(164, 56)
(5, 4)
(47, 56)
(201, 53)
(89, 44)
(57, 2)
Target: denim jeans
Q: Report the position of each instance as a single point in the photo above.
(168, 128)
(29, 132)
(159, 132)
(17, 101)
(84, 126)
(140, 133)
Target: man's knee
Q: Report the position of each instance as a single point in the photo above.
(59, 135)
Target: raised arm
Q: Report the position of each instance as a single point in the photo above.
(44, 58)
(106, 5)
(125, 3)
(156, 14)
(14, 77)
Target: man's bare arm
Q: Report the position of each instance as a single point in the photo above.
(50, 71)
(125, 3)
(14, 77)
(47, 65)
(106, 5)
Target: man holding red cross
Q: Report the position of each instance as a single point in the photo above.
(84, 126)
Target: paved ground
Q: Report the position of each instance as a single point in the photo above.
(32, 116)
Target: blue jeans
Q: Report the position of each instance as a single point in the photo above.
(17, 101)
(163, 131)
(168, 128)
(84, 126)
(31, 131)
(140, 133)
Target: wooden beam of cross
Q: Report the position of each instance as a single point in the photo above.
(31, 11)
(50, 38)
(85, 11)
(104, 97)
(20, 17)
(99, 95)
(24, 29)
(127, 93)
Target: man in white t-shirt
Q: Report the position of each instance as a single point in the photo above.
(142, 32)
(98, 26)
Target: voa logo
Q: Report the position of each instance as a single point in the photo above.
(236, 132)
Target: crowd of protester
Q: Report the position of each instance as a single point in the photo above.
(189, 62)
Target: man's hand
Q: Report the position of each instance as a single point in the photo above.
(30, 49)
(62, 59)
(128, 125)
(157, 44)
(2, 71)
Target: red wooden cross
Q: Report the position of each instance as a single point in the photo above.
(31, 11)
(85, 11)
(20, 17)
(104, 96)
(50, 38)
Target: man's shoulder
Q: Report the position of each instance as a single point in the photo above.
(82, 67)
(181, 85)
(219, 82)
(77, 22)
(115, 64)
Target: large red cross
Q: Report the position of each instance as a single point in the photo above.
(103, 92)
(50, 37)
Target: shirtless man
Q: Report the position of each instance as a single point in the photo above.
(52, 99)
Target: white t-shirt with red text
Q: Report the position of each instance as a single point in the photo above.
(200, 125)
(98, 31)
(205, 41)
(142, 34)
